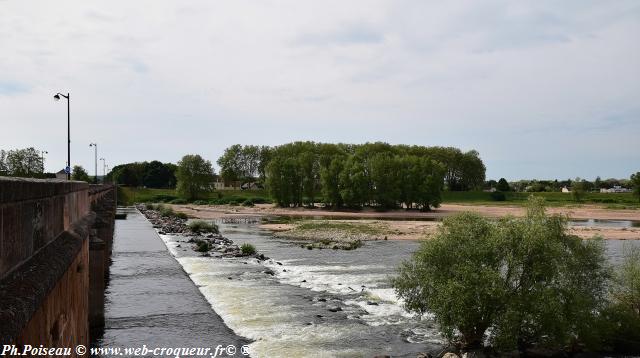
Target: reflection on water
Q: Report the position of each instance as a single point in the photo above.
(605, 223)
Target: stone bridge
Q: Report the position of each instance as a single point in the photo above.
(55, 248)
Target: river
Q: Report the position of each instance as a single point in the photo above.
(317, 303)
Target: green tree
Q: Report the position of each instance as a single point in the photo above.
(284, 180)
(158, 175)
(578, 189)
(503, 185)
(385, 175)
(526, 280)
(353, 183)
(309, 169)
(456, 276)
(231, 164)
(195, 177)
(635, 184)
(330, 178)
(78, 173)
(25, 162)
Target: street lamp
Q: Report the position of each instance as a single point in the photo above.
(104, 169)
(57, 98)
(95, 162)
(43, 152)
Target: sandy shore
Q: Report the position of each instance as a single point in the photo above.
(415, 230)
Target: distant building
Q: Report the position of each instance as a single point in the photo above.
(616, 189)
(61, 174)
(565, 189)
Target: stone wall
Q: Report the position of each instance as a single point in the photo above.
(45, 232)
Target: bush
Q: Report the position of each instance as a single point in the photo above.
(498, 196)
(512, 278)
(201, 226)
(203, 246)
(178, 201)
(167, 212)
(181, 216)
(200, 202)
(163, 198)
(260, 200)
(247, 249)
(247, 202)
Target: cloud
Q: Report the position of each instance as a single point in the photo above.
(10, 88)
(354, 34)
(521, 82)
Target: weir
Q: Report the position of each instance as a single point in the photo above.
(55, 247)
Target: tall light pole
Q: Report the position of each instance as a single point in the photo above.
(104, 169)
(95, 162)
(57, 98)
(43, 152)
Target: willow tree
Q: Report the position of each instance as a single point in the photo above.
(516, 282)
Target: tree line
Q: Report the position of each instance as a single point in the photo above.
(351, 175)
(25, 162)
(152, 174)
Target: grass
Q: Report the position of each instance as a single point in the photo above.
(343, 227)
(130, 196)
(247, 249)
(201, 226)
(165, 211)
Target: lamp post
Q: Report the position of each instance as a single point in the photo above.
(57, 98)
(95, 161)
(43, 152)
(104, 169)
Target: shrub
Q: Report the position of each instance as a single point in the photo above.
(247, 202)
(498, 196)
(181, 216)
(163, 198)
(247, 249)
(200, 202)
(203, 246)
(260, 200)
(178, 201)
(512, 277)
(150, 207)
(200, 226)
(166, 212)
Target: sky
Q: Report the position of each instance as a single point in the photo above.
(541, 89)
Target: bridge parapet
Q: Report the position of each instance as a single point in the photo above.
(45, 229)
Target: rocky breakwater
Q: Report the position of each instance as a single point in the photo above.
(202, 236)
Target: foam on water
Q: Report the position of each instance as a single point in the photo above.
(282, 313)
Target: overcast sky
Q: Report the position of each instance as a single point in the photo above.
(542, 89)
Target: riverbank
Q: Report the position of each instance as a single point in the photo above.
(411, 225)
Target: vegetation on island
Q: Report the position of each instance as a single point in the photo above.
(201, 226)
(522, 284)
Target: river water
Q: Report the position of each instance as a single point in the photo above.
(317, 303)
